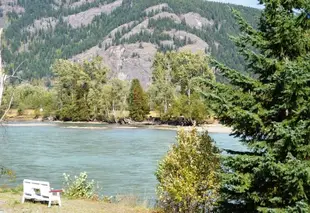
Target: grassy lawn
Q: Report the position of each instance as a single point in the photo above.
(10, 202)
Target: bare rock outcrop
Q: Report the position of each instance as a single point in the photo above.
(86, 17)
(80, 3)
(127, 61)
(195, 20)
(198, 45)
(43, 24)
(172, 16)
(10, 6)
(120, 28)
(137, 29)
(143, 26)
(158, 7)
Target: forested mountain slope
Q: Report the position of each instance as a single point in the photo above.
(126, 33)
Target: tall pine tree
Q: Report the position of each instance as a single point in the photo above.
(269, 112)
(137, 101)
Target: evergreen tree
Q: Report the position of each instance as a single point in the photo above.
(270, 113)
(138, 103)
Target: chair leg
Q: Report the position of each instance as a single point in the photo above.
(59, 201)
(23, 199)
(49, 203)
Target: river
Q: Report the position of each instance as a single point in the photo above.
(121, 160)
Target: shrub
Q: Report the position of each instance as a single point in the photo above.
(7, 172)
(189, 174)
(37, 113)
(79, 187)
(20, 111)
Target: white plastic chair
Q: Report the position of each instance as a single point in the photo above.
(40, 191)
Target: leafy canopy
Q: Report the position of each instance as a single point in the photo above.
(137, 101)
(269, 113)
(79, 87)
(173, 90)
(188, 174)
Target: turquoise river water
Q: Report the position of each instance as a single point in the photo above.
(121, 160)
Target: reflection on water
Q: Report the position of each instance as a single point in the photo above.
(122, 161)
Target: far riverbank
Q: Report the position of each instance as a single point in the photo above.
(211, 128)
(27, 119)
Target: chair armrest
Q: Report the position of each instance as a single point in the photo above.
(56, 190)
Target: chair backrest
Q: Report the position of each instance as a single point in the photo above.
(28, 188)
(31, 185)
(45, 188)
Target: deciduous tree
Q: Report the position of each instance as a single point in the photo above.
(188, 175)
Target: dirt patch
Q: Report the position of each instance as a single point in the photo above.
(11, 204)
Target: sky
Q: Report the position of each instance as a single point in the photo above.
(250, 3)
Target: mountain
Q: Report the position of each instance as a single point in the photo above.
(125, 33)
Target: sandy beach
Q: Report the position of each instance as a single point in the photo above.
(211, 128)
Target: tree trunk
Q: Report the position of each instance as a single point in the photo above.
(113, 108)
(2, 81)
(165, 105)
(2, 74)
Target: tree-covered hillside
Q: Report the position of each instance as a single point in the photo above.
(79, 29)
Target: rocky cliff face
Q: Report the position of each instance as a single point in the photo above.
(8, 6)
(129, 61)
(125, 33)
(126, 62)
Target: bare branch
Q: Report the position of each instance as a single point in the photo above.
(15, 70)
(16, 78)
(7, 110)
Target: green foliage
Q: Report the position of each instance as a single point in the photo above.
(137, 102)
(189, 174)
(269, 113)
(194, 109)
(7, 172)
(43, 47)
(174, 85)
(79, 187)
(29, 96)
(15, 190)
(162, 90)
(78, 89)
(84, 94)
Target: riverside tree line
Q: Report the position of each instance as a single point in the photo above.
(83, 91)
(269, 113)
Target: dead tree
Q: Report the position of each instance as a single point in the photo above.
(3, 78)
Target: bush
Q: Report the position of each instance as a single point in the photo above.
(189, 174)
(37, 113)
(7, 174)
(79, 187)
(20, 111)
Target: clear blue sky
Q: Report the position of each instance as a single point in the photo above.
(250, 3)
